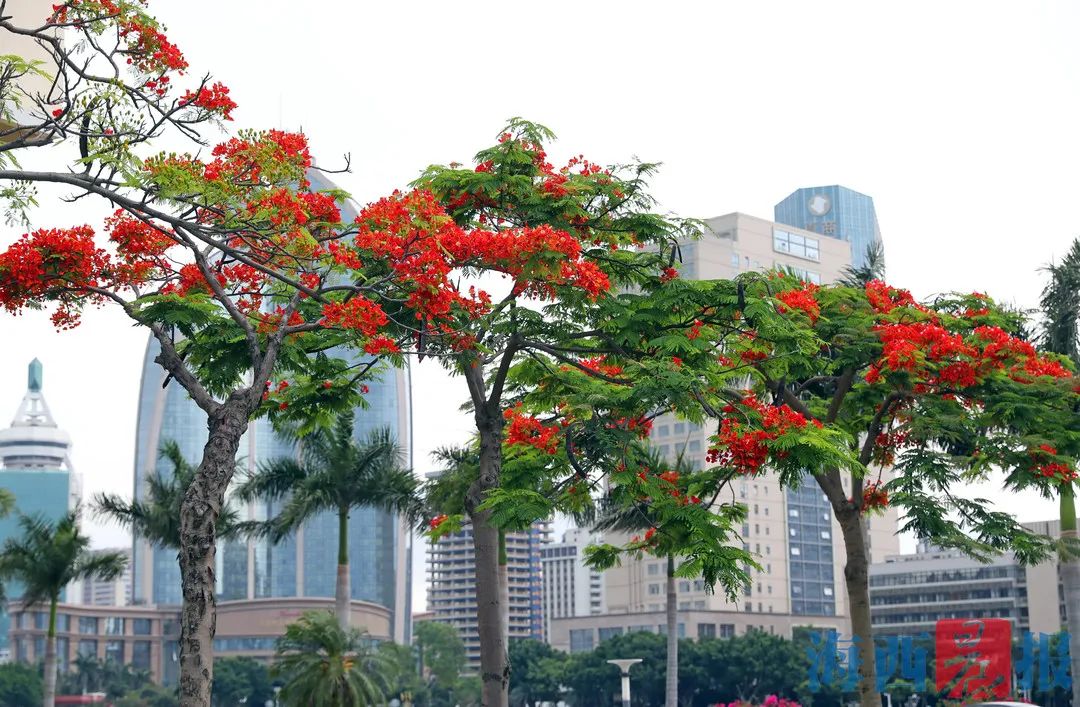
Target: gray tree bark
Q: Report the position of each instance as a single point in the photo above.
(1069, 565)
(342, 588)
(198, 535)
(857, 578)
(50, 658)
(494, 661)
(671, 684)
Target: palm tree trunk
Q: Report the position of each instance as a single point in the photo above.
(199, 512)
(494, 662)
(50, 657)
(1070, 581)
(342, 591)
(857, 579)
(672, 680)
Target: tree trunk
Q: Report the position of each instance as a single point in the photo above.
(857, 578)
(672, 681)
(50, 657)
(504, 587)
(494, 663)
(1069, 565)
(198, 519)
(342, 590)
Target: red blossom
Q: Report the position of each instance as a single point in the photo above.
(803, 300)
(214, 99)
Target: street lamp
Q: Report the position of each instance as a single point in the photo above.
(624, 668)
(277, 689)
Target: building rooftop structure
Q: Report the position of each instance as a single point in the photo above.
(34, 441)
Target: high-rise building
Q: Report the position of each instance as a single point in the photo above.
(304, 564)
(35, 466)
(909, 593)
(112, 592)
(833, 212)
(790, 531)
(571, 588)
(452, 585)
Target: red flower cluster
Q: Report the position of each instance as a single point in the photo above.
(214, 99)
(937, 357)
(599, 365)
(57, 263)
(744, 435)
(527, 430)
(883, 298)
(358, 313)
(437, 521)
(803, 300)
(149, 49)
(874, 497)
(1044, 461)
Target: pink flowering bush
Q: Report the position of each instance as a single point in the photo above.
(770, 701)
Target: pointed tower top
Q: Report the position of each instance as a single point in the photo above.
(33, 440)
(33, 383)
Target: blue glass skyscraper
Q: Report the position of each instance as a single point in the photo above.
(305, 564)
(835, 212)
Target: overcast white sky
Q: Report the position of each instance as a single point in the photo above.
(958, 118)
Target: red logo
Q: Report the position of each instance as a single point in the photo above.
(974, 658)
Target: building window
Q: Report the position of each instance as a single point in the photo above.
(88, 624)
(727, 630)
(610, 632)
(828, 591)
(684, 587)
(114, 651)
(637, 628)
(41, 620)
(114, 626)
(654, 589)
(581, 639)
(706, 630)
(699, 605)
(680, 428)
(140, 655)
(695, 445)
(735, 260)
(662, 431)
(654, 568)
(88, 647)
(795, 244)
(793, 512)
(796, 551)
(140, 627)
(63, 623)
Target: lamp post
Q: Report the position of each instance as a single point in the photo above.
(277, 690)
(624, 669)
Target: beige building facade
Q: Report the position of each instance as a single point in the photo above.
(792, 533)
(147, 637)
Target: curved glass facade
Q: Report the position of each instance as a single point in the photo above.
(302, 565)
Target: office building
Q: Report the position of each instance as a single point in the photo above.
(790, 531)
(571, 588)
(452, 585)
(909, 593)
(35, 466)
(833, 212)
(113, 592)
(303, 565)
(147, 637)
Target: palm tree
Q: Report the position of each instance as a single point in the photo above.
(335, 473)
(7, 502)
(47, 558)
(874, 269)
(628, 516)
(1060, 303)
(157, 518)
(326, 665)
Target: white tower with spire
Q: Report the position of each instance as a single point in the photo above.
(34, 441)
